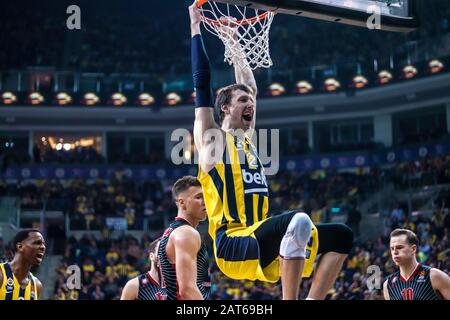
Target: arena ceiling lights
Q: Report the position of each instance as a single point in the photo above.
(90, 99)
(9, 98)
(145, 99)
(359, 82)
(409, 71)
(276, 89)
(192, 97)
(384, 77)
(435, 66)
(172, 99)
(63, 99)
(118, 99)
(331, 85)
(303, 87)
(35, 98)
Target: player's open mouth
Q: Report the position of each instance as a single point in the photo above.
(40, 256)
(247, 117)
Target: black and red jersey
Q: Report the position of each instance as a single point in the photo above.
(416, 287)
(148, 288)
(167, 271)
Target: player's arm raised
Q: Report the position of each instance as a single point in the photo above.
(187, 242)
(440, 282)
(244, 75)
(201, 75)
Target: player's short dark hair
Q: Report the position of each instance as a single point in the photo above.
(22, 235)
(224, 97)
(183, 184)
(411, 237)
(152, 246)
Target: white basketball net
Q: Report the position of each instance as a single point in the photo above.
(243, 31)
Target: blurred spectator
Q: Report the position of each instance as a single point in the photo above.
(108, 263)
(398, 214)
(354, 219)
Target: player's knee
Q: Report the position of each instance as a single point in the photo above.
(293, 244)
(344, 238)
(301, 227)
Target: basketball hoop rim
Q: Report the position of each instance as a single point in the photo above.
(260, 17)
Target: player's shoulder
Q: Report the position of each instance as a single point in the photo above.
(134, 281)
(439, 279)
(39, 285)
(437, 274)
(392, 276)
(36, 279)
(186, 235)
(185, 231)
(130, 290)
(424, 267)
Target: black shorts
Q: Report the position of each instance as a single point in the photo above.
(333, 237)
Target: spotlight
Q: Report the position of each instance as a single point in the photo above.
(118, 99)
(435, 66)
(359, 82)
(410, 71)
(192, 97)
(303, 87)
(8, 98)
(145, 99)
(276, 89)
(384, 77)
(173, 99)
(35, 98)
(90, 99)
(331, 84)
(63, 98)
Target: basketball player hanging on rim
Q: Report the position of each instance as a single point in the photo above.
(16, 280)
(413, 281)
(145, 286)
(182, 255)
(248, 244)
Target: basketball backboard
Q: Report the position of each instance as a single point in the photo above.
(395, 15)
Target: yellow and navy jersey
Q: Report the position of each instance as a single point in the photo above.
(236, 197)
(235, 191)
(11, 289)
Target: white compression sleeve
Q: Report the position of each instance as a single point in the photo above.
(293, 244)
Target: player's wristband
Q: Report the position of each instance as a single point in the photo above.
(201, 74)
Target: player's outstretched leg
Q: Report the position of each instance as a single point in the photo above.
(335, 242)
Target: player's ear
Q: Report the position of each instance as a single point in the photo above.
(181, 203)
(225, 108)
(19, 246)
